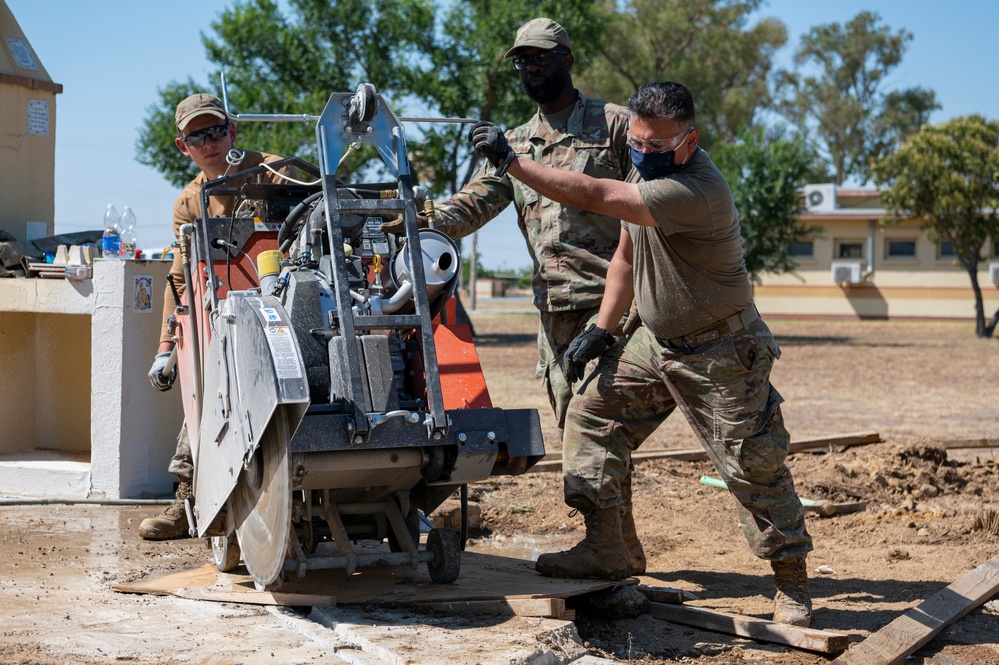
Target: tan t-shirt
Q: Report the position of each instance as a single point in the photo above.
(689, 271)
(187, 208)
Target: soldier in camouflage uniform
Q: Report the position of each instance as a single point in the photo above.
(206, 136)
(571, 248)
(680, 257)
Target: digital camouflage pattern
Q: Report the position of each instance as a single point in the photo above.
(723, 389)
(570, 248)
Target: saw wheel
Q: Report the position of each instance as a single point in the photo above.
(261, 505)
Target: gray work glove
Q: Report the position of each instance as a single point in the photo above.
(157, 377)
(589, 344)
(489, 142)
(395, 226)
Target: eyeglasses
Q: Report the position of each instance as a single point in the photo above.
(657, 145)
(522, 62)
(198, 138)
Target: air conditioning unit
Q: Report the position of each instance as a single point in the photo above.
(820, 198)
(994, 272)
(847, 272)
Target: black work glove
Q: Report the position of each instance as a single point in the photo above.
(488, 141)
(589, 344)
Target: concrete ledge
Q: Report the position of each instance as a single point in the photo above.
(62, 475)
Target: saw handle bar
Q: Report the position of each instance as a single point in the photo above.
(306, 118)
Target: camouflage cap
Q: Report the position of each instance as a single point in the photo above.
(199, 104)
(540, 33)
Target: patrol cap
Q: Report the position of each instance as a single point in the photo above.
(540, 33)
(199, 104)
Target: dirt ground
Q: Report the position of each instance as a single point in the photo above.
(921, 385)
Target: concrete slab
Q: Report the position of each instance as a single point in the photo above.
(62, 475)
(399, 637)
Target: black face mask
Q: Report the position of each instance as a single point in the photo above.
(548, 91)
(653, 165)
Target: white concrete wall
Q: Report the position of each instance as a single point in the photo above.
(133, 426)
(78, 416)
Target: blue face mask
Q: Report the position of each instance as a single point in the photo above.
(653, 165)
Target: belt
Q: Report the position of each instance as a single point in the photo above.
(736, 322)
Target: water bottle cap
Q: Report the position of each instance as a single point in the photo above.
(127, 208)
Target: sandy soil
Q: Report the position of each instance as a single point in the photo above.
(920, 385)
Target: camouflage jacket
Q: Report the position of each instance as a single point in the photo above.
(571, 248)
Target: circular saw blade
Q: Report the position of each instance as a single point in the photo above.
(261, 505)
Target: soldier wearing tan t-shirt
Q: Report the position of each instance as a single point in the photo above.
(206, 136)
(710, 353)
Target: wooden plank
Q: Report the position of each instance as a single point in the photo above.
(970, 443)
(257, 597)
(895, 642)
(553, 462)
(550, 608)
(821, 641)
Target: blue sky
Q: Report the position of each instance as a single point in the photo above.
(112, 56)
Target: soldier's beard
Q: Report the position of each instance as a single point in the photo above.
(548, 91)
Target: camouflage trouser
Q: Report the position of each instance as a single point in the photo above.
(182, 464)
(723, 389)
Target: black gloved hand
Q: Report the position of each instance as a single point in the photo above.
(489, 141)
(589, 344)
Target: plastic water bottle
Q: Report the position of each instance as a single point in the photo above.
(111, 243)
(127, 233)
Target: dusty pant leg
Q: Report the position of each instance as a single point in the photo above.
(556, 331)
(723, 388)
(620, 402)
(182, 464)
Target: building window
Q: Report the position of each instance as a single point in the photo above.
(945, 250)
(849, 249)
(802, 250)
(902, 250)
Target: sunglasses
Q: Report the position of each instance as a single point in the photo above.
(657, 145)
(215, 132)
(522, 62)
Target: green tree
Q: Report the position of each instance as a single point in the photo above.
(422, 58)
(948, 176)
(845, 102)
(277, 63)
(765, 168)
(707, 46)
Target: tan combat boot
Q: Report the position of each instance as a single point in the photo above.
(635, 552)
(172, 524)
(792, 605)
(602, 554)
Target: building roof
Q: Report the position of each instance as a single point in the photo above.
(19, 64)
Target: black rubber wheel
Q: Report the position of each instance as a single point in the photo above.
(225, 552)
(412, 520)
(445, 562)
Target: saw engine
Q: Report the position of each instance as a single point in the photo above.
(329, 394)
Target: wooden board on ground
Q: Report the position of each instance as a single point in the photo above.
(974, 454)
(553, 462)
(822, 641)
(488, 584)
(895, 642)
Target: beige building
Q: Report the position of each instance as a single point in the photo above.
(854, 267)
(27, 136)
